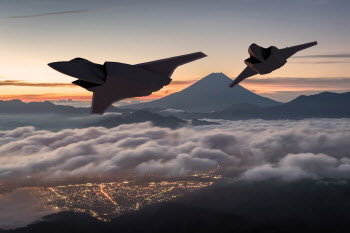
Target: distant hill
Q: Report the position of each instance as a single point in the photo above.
(141, 116)
(323, 105)
(17, 106)
(326, 104)
(211, 93)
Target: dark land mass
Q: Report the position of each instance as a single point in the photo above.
(271, 206)
(196, 122)
(141, 116)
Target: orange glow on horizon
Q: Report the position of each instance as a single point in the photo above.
(276, 88)
(45, 97)
(87, 97)
(79, 94)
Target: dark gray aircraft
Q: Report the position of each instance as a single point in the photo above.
(114, 81)
(264, 61)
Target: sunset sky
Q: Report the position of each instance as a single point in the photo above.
(37, 32)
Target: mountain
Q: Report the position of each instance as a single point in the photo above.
(17, 106)
(211, 93)
(323, 105)
(326, 104)
(297, 206)
(141, 116)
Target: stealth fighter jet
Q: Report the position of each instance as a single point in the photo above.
(264, 61)
(114, 81)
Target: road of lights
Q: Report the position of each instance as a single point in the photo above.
(106, 195)
(53, 190)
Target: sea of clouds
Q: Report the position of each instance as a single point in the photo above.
(253, 150)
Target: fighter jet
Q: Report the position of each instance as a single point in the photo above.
(114, 81)
(264, 61)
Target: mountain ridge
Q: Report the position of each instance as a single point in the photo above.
(18, 106)
(322, 105)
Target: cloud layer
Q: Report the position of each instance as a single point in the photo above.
(311, 83)
(48, 14)
(19, 208)
(255, 149)
(303, 165)
(20, 83)
(341, 55)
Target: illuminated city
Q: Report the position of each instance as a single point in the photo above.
(107, 200)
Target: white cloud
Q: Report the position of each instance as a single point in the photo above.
(286, 149)
(299, 166)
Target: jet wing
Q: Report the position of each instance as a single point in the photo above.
(246, 73)
(167, 66)
(101, 101)
(84, 84)
(290, 51)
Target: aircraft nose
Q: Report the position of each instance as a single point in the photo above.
(57, 65)
(86, 71)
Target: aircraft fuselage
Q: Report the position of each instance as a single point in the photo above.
(264, 61)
